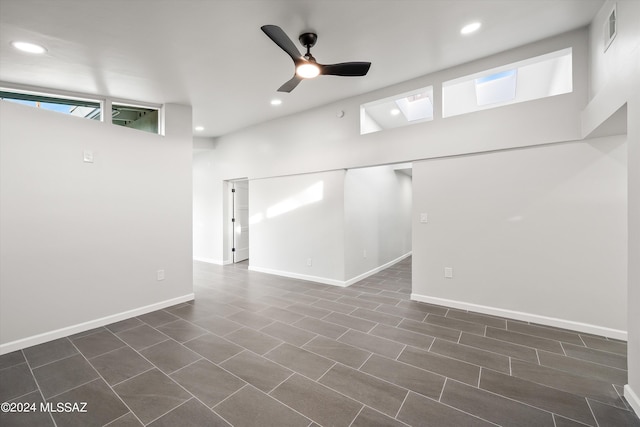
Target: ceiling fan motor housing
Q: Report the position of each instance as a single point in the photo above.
(308, 40)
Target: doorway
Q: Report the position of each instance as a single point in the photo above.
(240, 220)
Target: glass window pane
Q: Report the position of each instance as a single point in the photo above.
(76, 107)
(141, 118)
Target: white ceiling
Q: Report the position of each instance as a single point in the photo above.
(212, 55)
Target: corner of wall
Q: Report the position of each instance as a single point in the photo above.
(632, 398)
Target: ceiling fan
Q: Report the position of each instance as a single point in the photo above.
(306, 66)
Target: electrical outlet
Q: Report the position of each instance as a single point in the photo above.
(87, 156)
(364, 253)
(448, 272)
(424, 218)
(309, 262)
(160, 274)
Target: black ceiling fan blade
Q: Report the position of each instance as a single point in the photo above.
(279, 37)
(291, 84)
(355, 69)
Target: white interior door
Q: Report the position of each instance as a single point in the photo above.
(240, 221)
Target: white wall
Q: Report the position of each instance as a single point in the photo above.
(82, 242)
(377, 218)
(632, 391)
(614, 83)
(621, 58)
(295, 219)
(317, 140)
(203, 201)
(330, 218)
(537, 233)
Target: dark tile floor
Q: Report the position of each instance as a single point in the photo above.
(261, 350)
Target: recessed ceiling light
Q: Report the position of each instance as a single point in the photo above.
(395, 112)
(276, 102)
(28, 47)
(470, 28)
(199, 128)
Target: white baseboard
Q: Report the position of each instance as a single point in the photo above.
(317, 279)
(211, 261)
(376, 270)
(325, 280)
(527, 317)
(633, 399)
(92, 324)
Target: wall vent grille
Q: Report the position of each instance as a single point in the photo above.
(610, 28)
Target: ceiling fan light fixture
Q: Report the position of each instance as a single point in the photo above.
(308, 70)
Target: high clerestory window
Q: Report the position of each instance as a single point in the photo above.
(534, 78)
(135, 117)
(399, 110)
(89, 109)
(143, 118)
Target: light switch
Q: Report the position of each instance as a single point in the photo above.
(423, 218)
(448, 272)
(88, 156)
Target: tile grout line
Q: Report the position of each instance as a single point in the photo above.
(506, 342)
(463, 411)
(284, 404)
(525, 403)
(186, 366)
(154, 366)
(233, 394)
(35, 380)
(592, 413)
(119, 418)
(281, 382)
(442, 391)
(108, 385)
(367, 374)
(461, 360)
(402, 404)
(403, 349)
(89, 333)
(149, 346)
(363, 363)
(355, 399)
(134, 376)
(357, 415)
(274, 362)
(49, 363)
(173, 409)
